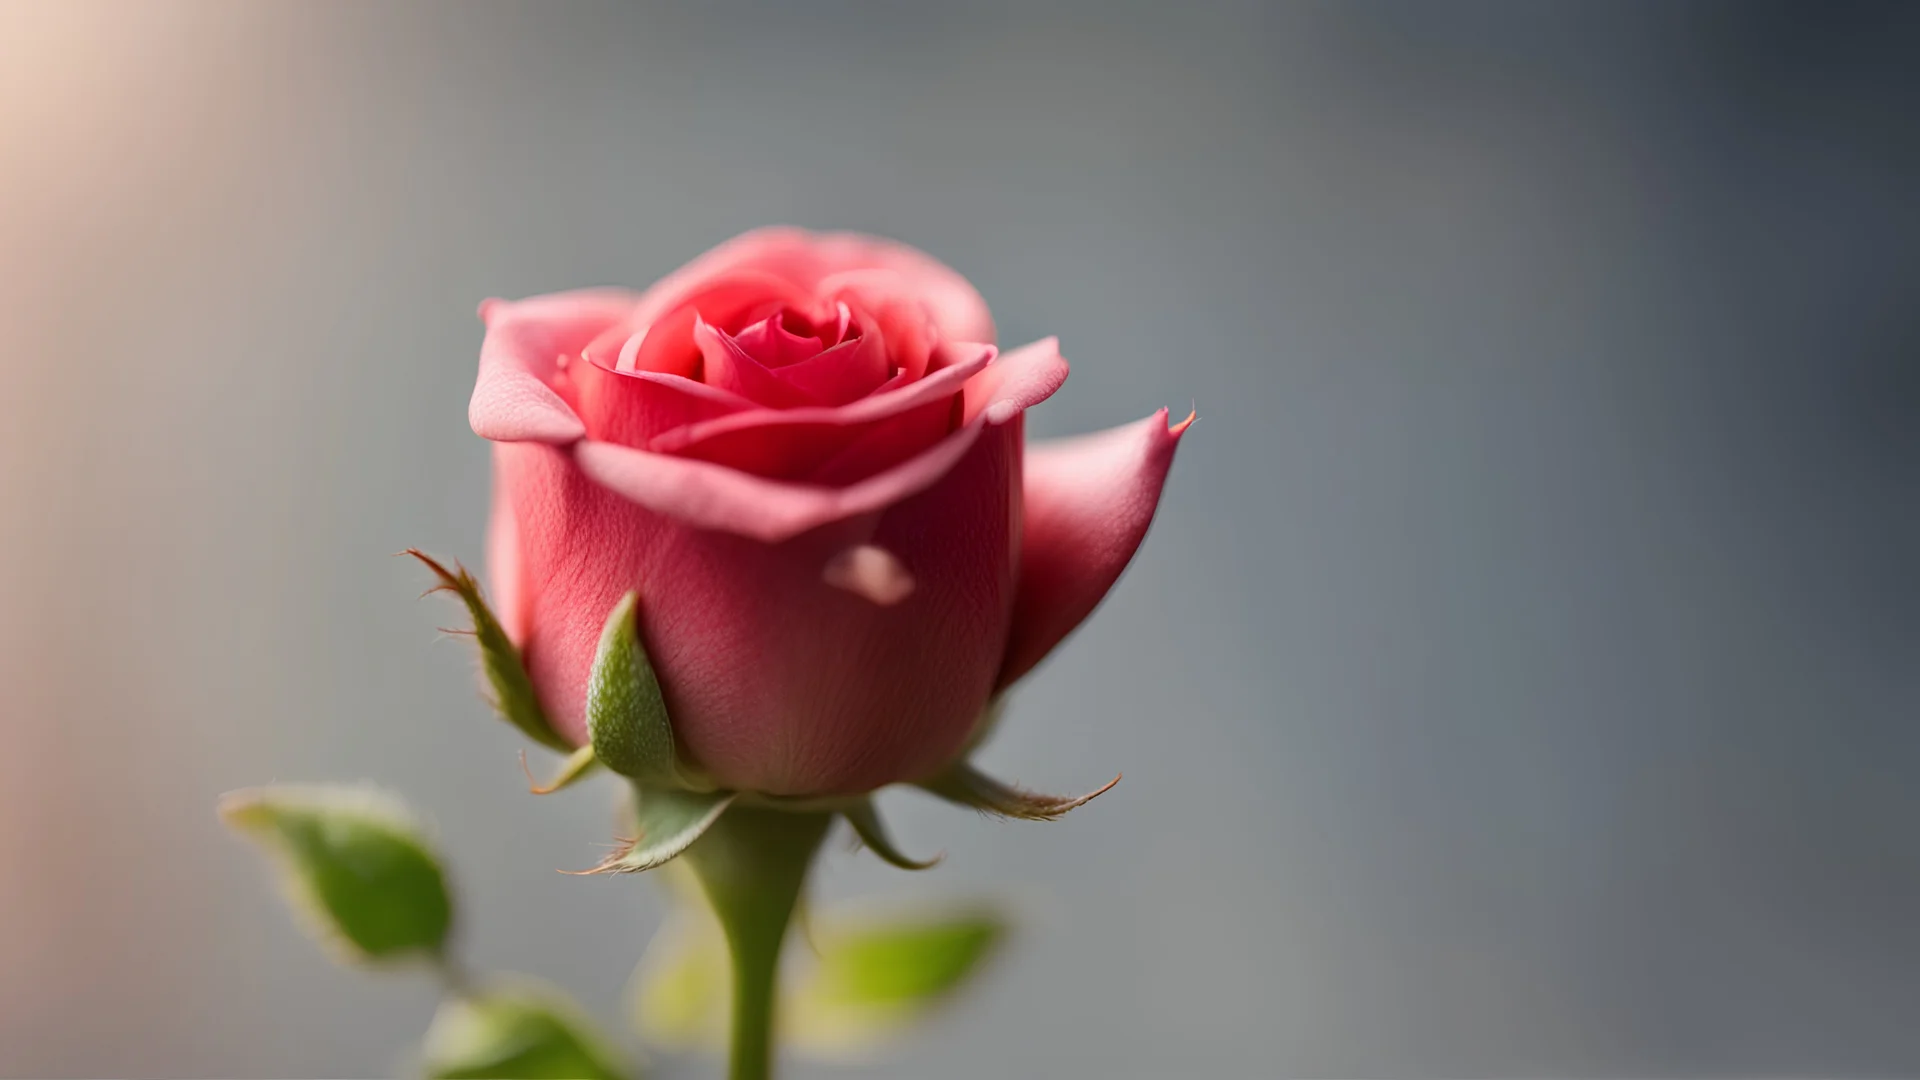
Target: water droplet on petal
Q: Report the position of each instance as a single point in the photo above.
(870, 572)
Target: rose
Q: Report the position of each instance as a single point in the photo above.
(805, 453)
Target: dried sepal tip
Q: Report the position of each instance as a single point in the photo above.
(513, 694)
(578, 766)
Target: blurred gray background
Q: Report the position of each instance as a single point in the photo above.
(1522, 675)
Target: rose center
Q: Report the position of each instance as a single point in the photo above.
(788, 336)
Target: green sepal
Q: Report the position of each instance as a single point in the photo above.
(579, 765)
(354, 865)
(519, 1029)
(962, 783)
(626, 716)
(668, 821)
(865, 819)
(863, 979)
(513, 694)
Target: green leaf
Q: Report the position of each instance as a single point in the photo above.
(354, 865)
(669, 820)
(513, 694)
(907, 962)
(626, 716)
(874, 981)
(866, 822)
(515, 1031)
(683, 984)
(870, 979)
(962, 783)
(579, 764)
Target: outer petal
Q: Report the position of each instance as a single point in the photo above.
(1088, 502)
(715, 496)
(709, 496)
(875, 270)
(778, 677)
(1024, 377)
(505, 564)
(803, 452)
(513, 398)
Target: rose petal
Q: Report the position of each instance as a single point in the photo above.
(666, 346)
(718, 497)
(844, 373)
(774, 345)
(514, 399)
(763, 363)
(1088, 502)
(899, 396)
(876, 447)
(730, 368)
(632, 407)
(830, 453)
(638, 346)
(907, 324)
(506, 563)
(1026, 377)
(771, 252)
(777, 680)
(949, 299)
(809, 259)
(794, 443)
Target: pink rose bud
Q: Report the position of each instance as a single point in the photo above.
(805, 454)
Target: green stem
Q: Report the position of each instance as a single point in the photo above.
(752, 863)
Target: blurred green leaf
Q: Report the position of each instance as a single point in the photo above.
(907, 962)
(354, 865)
(626, 716)
(683, 986)
(513, 694)
(519, 1030)
(865, 981)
